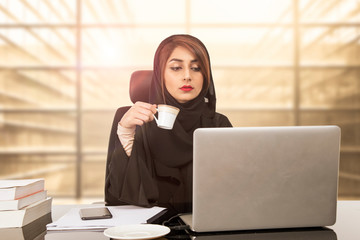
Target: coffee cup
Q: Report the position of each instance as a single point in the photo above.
(166, 116)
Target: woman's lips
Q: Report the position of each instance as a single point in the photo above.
(186, 88)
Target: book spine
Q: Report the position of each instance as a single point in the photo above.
(16, 189)
(7, 194)
(10, 219)
(19, 218)
(22, 202)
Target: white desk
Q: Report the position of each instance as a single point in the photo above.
(347, 226)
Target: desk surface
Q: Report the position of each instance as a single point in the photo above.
(347, 224)
(347, 227)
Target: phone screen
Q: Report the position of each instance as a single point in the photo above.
(95, 213)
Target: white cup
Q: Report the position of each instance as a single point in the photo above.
(166, 116)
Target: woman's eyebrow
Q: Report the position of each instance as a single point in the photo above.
(180, 60)
(176, 60)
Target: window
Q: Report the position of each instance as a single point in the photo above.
(65, 67)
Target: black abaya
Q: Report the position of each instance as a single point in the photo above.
(159, 170)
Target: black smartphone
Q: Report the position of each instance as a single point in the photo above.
(95, 213)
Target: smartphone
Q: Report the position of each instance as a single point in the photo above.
(95, 213)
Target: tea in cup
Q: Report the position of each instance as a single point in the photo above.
(166, 116)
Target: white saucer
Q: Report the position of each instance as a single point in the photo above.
(137, 231)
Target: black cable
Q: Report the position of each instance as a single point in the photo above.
(179, 227)
(170, 219)
(175, 227)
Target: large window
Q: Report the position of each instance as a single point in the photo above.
(65, 67)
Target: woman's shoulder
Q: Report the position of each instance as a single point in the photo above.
(221, 120)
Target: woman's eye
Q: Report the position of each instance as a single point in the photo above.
(196, 69)
(175, 68)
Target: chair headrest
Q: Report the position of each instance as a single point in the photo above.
(140, 85)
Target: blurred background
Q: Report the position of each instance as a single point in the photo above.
(65, 67)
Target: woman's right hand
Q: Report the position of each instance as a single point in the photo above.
(138, 114)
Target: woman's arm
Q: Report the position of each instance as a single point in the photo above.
(138, 114)
(126, 137)
(129, 179)
(119, 152)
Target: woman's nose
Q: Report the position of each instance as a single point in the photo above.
(187, 75)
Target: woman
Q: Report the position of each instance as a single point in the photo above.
(153, 166)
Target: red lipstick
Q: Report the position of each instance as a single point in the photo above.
(186, 88)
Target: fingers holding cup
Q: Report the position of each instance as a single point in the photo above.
(138, 114)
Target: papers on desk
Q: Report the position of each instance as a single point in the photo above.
(122, 215)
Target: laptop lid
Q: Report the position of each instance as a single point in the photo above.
(264, 177)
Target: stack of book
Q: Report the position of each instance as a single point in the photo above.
(24, 203)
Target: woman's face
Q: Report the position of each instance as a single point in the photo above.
(182, 75)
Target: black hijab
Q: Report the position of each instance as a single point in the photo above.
(174, 148)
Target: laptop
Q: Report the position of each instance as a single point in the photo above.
(264, 178)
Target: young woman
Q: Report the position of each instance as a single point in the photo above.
(153, 166)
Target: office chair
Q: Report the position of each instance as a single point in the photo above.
(139, 91)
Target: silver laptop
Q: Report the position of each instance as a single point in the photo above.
(264, 178)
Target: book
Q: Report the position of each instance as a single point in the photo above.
(22, 202)
(22, 217)
(15, 189)
(34, 230)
